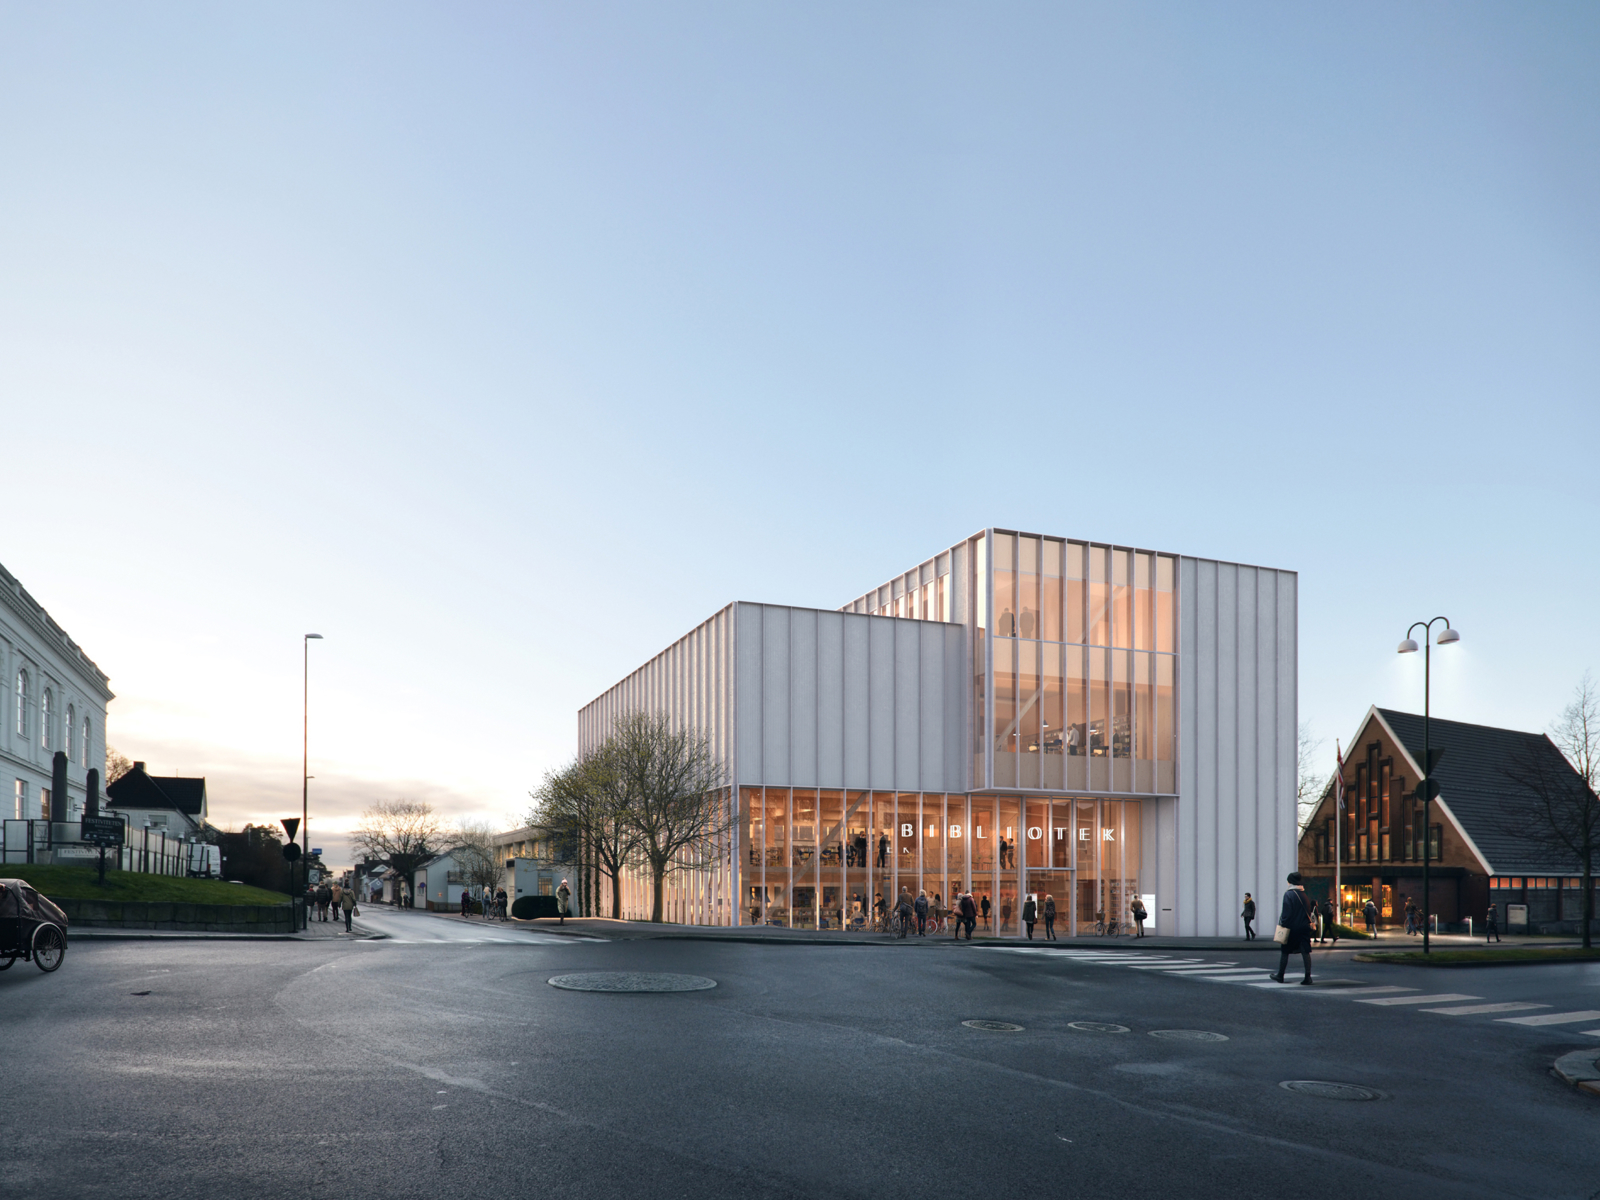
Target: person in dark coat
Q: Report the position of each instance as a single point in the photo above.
(1030, 914)
(969, 914)
(1249, 915)
(1295, 916)
(920, 907)
(1049, 917)
(1330, 924)
(1491, 927)
(1369, 910)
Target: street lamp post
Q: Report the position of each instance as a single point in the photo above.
(305, 764)
(1446, 637)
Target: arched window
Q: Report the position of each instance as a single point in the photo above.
(83, 746)
(22, 704)
(44, 719)
(67, 731)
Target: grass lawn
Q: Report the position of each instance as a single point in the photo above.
(78, 883)
(1485, 958)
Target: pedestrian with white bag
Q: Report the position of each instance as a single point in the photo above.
(1294, 928)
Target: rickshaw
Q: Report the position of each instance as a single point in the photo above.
(32, 928)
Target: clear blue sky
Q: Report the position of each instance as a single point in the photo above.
(502, 344)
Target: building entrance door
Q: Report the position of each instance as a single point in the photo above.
(1058, 886)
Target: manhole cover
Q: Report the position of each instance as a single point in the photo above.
(631, 981)
(1097, 1027)
(1189, 1035)
(994, 1026)
(1330, 1091)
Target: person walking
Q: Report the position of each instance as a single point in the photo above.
(347, 902)
(466, 903)
(1491, 925)
(1049, 917)
(983, 907)
(324, 898)
(500, 902)
(1330, 924)
(1140, 915)
(1412, 924)
(969, 915)
(337, 895)
(1249, 915)
(563, 902)
(1295, 920)
(1369, 911)
(1030, 914)
(883, 850)
(905, 909)
(920, 907)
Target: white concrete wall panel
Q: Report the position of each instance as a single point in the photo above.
(830, 700)
(880, 702)
(907, 704)
(1236, 743)
(856, 722)
(803, 697)
(776, 765)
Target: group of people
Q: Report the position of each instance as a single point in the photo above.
(494, 904)
(332, 897)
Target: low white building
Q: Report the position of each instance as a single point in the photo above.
(53, 698)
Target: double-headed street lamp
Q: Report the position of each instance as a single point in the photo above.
(305, 762)
(1427, 788)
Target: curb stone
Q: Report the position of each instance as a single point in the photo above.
(1580, 1069)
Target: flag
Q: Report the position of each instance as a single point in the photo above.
(1338, 779)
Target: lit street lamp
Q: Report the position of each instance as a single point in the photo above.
(1427, 788)
(305, 763)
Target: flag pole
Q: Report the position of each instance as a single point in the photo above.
(1338, 832)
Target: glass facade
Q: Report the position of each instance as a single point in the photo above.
(1074, 677)
(838, 860)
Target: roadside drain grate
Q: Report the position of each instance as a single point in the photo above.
(994, 1026)
(631, 981)
(1189, 1035)
(1096, 1027)
(1330, 1091)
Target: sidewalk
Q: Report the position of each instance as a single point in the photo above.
(317, 931)
(605, 927)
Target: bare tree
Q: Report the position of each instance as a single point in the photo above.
(118, 764)
(1311, 782)
(1562, 816)
(676, 791)
(585, 808)
(477, 854)
(401, 834)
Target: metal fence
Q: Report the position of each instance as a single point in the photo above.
(150, 851)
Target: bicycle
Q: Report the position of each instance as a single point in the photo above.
(1105, 929)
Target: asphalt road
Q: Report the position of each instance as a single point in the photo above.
(440, 1063)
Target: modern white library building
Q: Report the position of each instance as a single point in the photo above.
(1018, 716)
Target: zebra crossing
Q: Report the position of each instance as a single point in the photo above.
(1444, 1004)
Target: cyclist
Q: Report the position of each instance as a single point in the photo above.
(905, 909)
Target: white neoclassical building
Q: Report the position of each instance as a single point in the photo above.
(53, 698)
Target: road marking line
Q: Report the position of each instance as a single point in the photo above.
(1234, 975)
(1566, 1018)
(1587, 1032)
(1440, 998)
(1179, 964)
(1470, 1010)
(1356, 992)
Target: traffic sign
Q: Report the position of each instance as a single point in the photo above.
(291, 850)
(102, 831)
(291, 826)
(316, 849)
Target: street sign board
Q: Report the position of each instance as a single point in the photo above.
(102, 831)
(291, 826)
